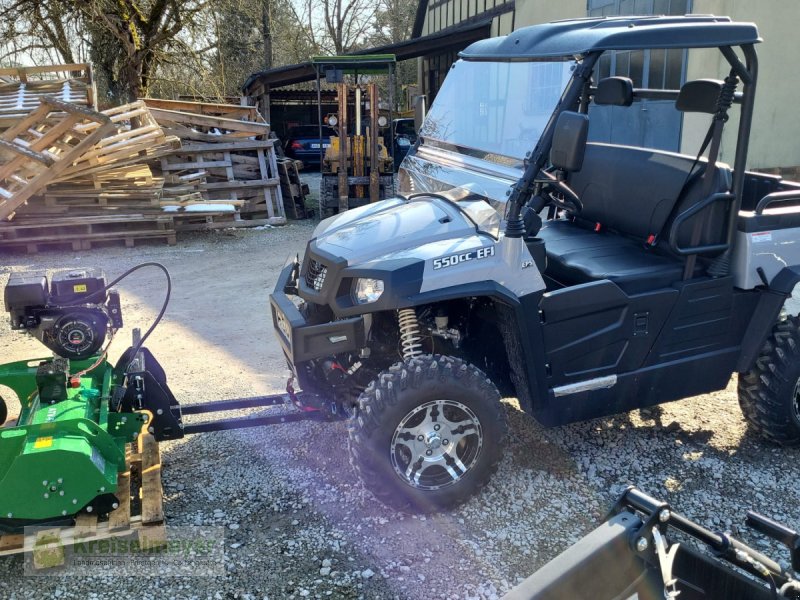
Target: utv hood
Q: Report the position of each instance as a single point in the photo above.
(399, 228)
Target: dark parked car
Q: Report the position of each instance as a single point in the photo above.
(303, 143)
(405, 136)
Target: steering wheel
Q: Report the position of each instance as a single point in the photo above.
(560, 194)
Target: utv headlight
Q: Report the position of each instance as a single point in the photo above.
(367, 290)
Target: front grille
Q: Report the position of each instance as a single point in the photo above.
(315, 276)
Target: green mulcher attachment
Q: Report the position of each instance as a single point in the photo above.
(67, 448)
(65, 451)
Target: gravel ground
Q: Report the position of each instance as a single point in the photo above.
(298, 522)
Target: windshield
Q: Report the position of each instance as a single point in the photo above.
(495, 111)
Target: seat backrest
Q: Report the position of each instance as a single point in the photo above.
(633, 190)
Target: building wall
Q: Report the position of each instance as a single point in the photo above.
(532, 12)
(776, 123)
(449, 13)
(445, 14)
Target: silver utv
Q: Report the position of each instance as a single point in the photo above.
(525, 258)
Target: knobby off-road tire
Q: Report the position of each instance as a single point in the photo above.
(329, 195)
(769, 394)
(428, 433)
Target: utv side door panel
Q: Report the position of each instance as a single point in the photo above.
(704, 320)
(644, 387)
(694, 337)
(595, 329)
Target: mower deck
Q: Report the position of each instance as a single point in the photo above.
(140, 513)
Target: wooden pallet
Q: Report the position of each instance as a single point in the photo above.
(208, 128)
(292, 189)
(39, 147)
(21, 88)
(138, 138)
(84, 233)
(140, 512)
(129, 240)
(228, 171)
(214, 109)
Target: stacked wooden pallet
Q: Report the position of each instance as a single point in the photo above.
(72, 175)
(115, 171)
(294, 191)
(85, 232)
(41, 146)
(226, 157)
(21, 88)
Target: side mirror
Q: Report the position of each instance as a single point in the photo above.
(569, 141)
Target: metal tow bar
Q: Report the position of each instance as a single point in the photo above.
(290, 398)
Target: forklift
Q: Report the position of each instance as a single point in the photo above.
(356, 167)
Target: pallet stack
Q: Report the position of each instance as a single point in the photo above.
(72, 175)
(294, 191)
(21, 89)
(226, 157)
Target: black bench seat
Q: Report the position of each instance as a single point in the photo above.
(628, 194)
(577, 255)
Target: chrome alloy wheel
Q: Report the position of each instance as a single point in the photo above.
(436, 444)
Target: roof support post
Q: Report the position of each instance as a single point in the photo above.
(319, 120)
(344, 153)
(748, 73)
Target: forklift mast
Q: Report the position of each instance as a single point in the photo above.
(356, 169)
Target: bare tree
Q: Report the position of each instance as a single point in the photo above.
(394, 21)
(38, 29)
(347, 22)
(143, 28)
(198, 47)
(126, 38)
(335, 26)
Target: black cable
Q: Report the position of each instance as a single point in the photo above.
(83, 299)
(773, 586)
(160, 314)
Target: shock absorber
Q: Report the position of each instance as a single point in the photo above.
(410, 339)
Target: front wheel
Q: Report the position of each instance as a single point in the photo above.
(428, 434)
(769, 394)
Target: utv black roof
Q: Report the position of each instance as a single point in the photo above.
(576, 37)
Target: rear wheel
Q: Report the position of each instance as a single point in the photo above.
(769, 393)
(428, 434)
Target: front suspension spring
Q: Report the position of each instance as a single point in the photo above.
(410, 338)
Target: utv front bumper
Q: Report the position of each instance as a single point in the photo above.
(302, 341)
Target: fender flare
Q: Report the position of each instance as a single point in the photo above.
(766, 315)
(524, 311)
